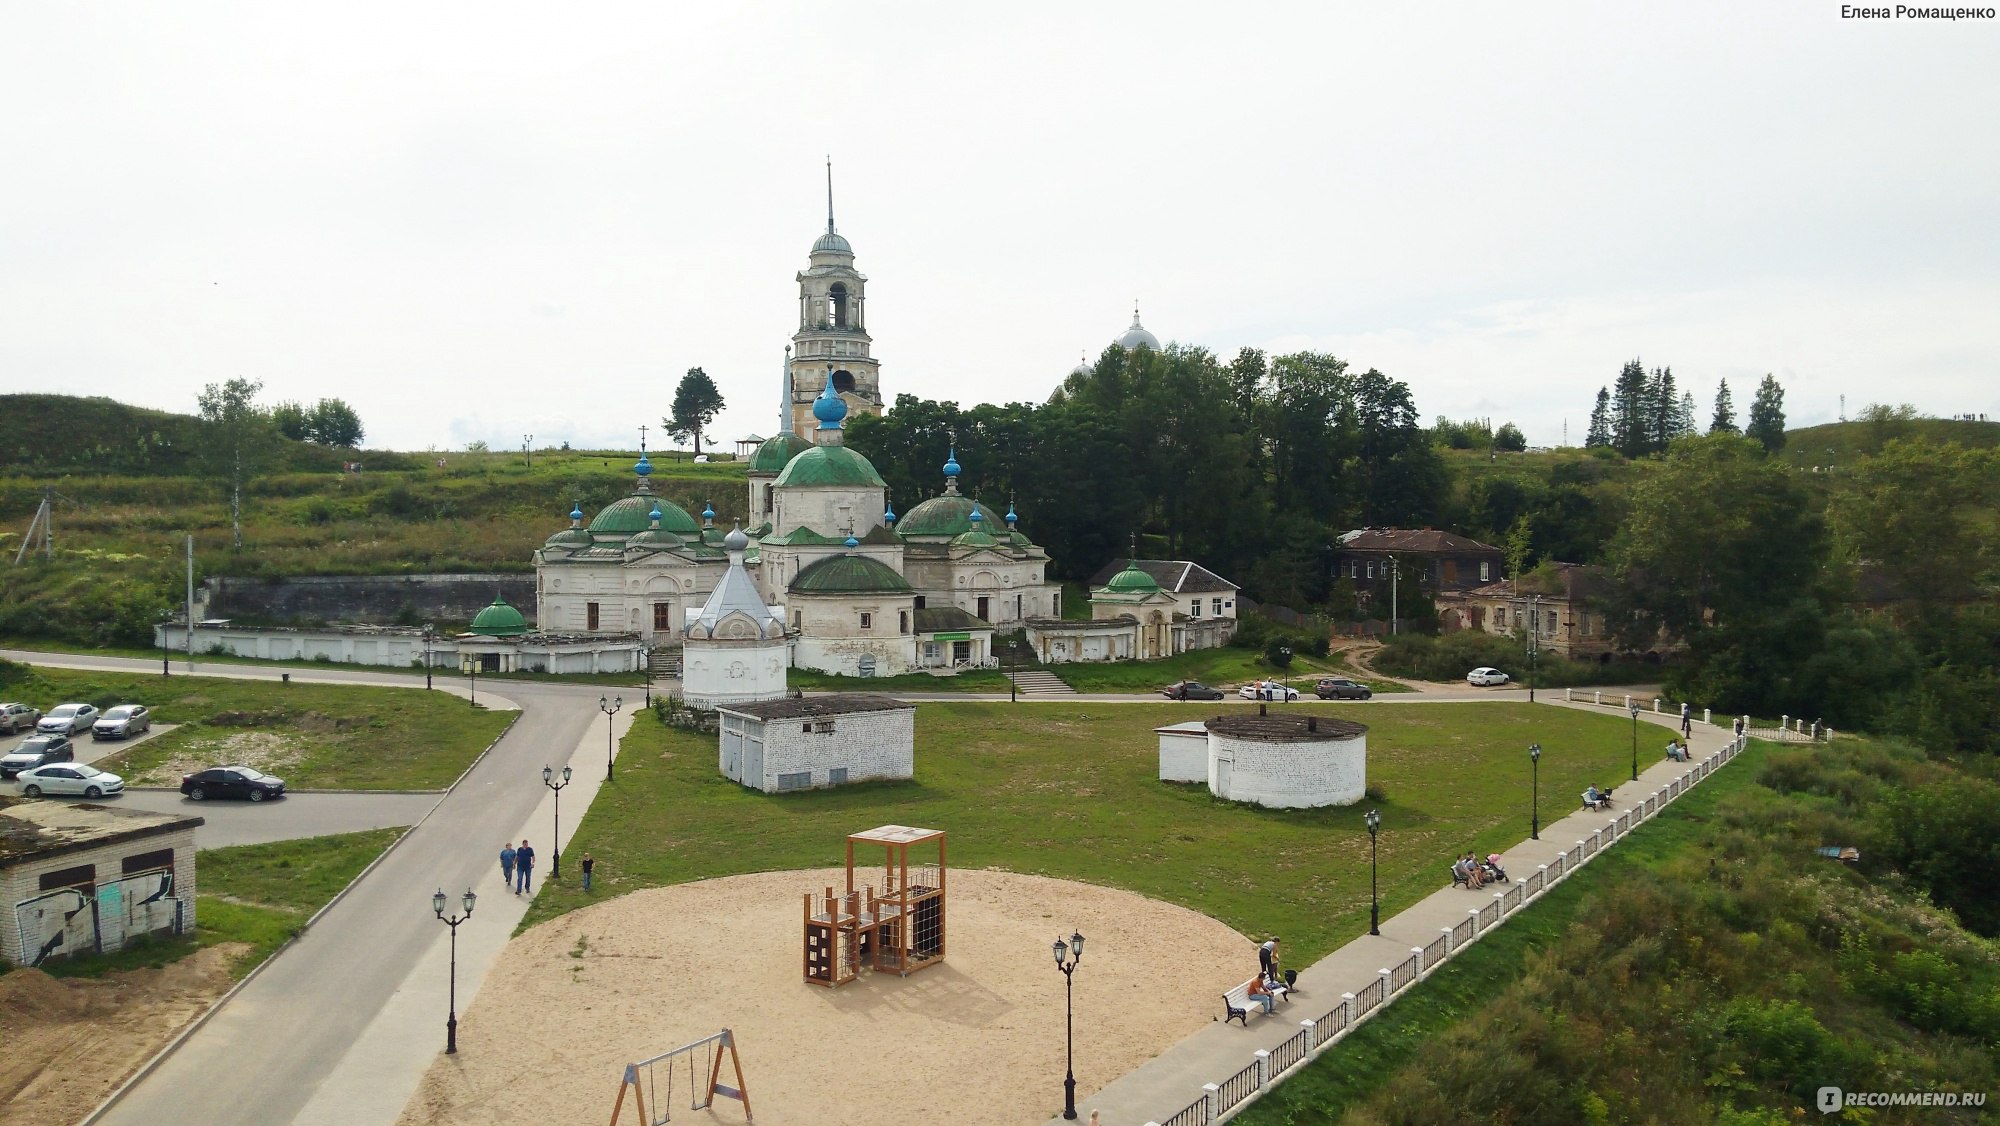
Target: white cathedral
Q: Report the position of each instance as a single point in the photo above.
(828, 578)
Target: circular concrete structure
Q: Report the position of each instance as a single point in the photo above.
(1287, 761)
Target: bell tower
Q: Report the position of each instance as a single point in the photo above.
(833, 331)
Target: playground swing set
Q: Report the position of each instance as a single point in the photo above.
(899, 931)
(643, 1079)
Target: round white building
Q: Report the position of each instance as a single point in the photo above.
(1287, 761)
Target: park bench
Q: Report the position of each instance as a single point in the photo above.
(1236, 1003)
(1458, 880)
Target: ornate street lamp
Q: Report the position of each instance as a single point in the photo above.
(1534, 641)
(1068, 954)
(555, 839)
(1635, 742)
(1535, 769)
(1374, 820)
(609, 708)
(1013, 662)
(437, 905)
(472, 677)
(430, 637)
(166, 648)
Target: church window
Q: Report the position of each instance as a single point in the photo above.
(983, 600)
(843, 382)
(663, 615)
(590, 615)
(920, 601)
(836, 302)
(867, 621)
(902, 621)
(1055, 605)
(795, 619)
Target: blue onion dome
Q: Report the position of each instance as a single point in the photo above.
(708, 512)
(644, 466)
(889, 513)
(951, 466)
(974, 517)
(576, 513)
(736, 540)
(852, 543)
(1011, 518)
(654, 515)
(829, 408)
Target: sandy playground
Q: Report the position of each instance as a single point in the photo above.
(978, 1039)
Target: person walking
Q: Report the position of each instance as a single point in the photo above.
(524, 866)
(589, 862)
(507, 864)
(1687, 720)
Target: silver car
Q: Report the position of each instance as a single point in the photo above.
(68, 719)
(14, 717)
(123, 721)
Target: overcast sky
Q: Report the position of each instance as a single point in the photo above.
(484, 220)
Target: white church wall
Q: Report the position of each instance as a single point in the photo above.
(869, 745)
(1183, 752)
(718, 673)
(1288, 774)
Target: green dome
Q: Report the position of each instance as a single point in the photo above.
(1132, 581)
(776, 451)
(660, 540)
(500, 620)
(849, 574)
(570, 538)
(974, 538)
(830, 465)
(634, 514)
(948, 515)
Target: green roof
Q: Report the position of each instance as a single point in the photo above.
(849, 574)
(948, 515)
(830, 465)
(569, 537)
(977, 537)
(500, 620)
(1132, 581)
(776, 451)
(634, 514)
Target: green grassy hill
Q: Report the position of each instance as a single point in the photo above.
(1839, 443)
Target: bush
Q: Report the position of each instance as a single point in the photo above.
(1278, 652)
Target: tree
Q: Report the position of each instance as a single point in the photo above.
(1631, 411)
(238, 437)
(332, 422)
(1684, 416)
(1767, 416)
(1600, 420)
(1922, 513)
(1520, 541)
(1724, 419)
(696, 403)
(1510, 439)
(1663, 405)
(292, 420)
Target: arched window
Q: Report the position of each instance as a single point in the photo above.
(843, 382)
(836, 305)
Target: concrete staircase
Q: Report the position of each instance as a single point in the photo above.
(1037, 682)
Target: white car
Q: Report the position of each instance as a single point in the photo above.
(68, 719)
(1267, 690)
(67, 778)
(1485, 678)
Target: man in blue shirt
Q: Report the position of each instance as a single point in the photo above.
(524, 866)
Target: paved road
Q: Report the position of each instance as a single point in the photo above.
(228, 823)
(294, 1022)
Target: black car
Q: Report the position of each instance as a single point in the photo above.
(34, 751)
(1192, 690)
(1341, 688)
(231, 782)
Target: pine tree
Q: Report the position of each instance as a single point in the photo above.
(1663, 407)
(1629, 413)
(1724, 420)
(1684, 415)
(1600, 420)
(696, 403)
(1767, 416)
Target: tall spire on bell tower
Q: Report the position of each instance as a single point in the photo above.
(832, 333)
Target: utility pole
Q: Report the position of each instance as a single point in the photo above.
(1395, 575)
(190, 601)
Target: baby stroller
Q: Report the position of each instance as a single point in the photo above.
(1491, 866)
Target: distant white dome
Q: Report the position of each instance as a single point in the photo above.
(1137, 335)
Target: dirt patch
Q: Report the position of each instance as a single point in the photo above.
(268, 751)
(71, 1042)
(977, 1039)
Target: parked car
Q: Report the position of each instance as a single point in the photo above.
(231, 782)
(68, 778)
(1483, 677)
(1192, 690)
(1341, 688)
(1268, 690)
(121, 721)
(34, 751)
(14, 717)
(68, 719)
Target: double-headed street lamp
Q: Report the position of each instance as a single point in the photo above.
(1068, 954)
(1534, 641)
(451, 1020)
(609, 708)
(1013, 662)
(1374, 820)
(555, 839)
(472, 676)
(1635, 742)
(166, 647)
(1285, 662)
(1535, 769)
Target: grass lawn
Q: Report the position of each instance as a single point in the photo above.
(1218, 668)
(314, 736)
(1071, 789)
(1371, 1055)
(256, 894)
(442, 675)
